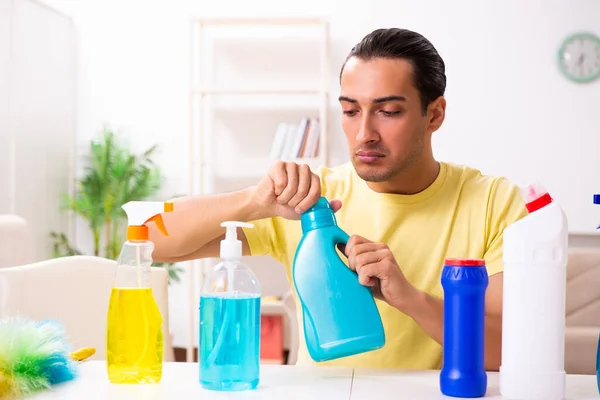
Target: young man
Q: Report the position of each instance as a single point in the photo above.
(406, 211)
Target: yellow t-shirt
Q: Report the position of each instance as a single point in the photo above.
(462, 214)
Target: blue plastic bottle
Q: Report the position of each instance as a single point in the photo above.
(340, 317)
(597, 201)
(463, 373)
(229, 351)
(598, 365)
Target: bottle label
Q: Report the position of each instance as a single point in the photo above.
(469, 274)
(541, 254)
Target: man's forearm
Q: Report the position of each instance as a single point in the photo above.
(428, 312)
(196, 221)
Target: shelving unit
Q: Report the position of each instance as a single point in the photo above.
(236, 107)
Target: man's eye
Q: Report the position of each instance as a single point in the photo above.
(390, 113)
(350, 112)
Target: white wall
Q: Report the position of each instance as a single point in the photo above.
(37, 117)
(134, 75)
(5, 40)
(505, 95)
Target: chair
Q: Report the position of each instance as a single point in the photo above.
(582, 310)
(75, 291)
(16, 245)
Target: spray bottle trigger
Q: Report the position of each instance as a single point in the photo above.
(157, 219)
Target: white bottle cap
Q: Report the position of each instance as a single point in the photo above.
(231, 247)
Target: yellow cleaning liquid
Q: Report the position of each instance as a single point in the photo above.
(134, 350)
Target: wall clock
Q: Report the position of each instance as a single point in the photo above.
(579, 57)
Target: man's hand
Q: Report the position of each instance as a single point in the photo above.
(376, 267)
(288, 190)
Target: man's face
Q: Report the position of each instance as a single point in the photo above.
(382, 117)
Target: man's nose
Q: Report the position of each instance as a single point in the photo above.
(367, 132)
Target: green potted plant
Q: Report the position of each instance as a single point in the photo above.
(113, 176)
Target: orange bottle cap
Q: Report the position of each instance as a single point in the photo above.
(139, 233)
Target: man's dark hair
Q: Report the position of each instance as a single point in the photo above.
(428, 67)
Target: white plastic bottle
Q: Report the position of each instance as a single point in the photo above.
(533, 320)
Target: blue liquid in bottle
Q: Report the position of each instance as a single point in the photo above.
(463, 372)
(598, 365)
(229, 341)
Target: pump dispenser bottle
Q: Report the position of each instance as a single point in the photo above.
(134, 344)
(340, 317)
(229, 353)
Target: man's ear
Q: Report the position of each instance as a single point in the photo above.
(436, 113)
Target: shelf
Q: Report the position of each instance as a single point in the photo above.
(273, 308)
(273, 91)
(278, 75)
(246, 168)
(294, 102)
(261, 21)
(271, 110)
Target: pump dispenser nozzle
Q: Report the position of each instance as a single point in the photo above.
(231, 246)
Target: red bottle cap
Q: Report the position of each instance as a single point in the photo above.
(536, 197)
(465, 262)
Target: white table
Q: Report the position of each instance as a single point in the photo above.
(180, 381)
(424, 385)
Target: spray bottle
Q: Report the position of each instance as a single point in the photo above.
(535, 252)
(229, 353)
(134, 343)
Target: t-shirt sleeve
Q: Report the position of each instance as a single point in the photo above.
(506, 206)
(267, 237)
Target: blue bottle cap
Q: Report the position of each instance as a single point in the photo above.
(321, 204)
(597, 201)
(319, 215)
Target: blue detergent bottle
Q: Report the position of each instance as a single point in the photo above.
(340, 317)
(229, 350)
(598, 365)
(597, 201)
(463, 373)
